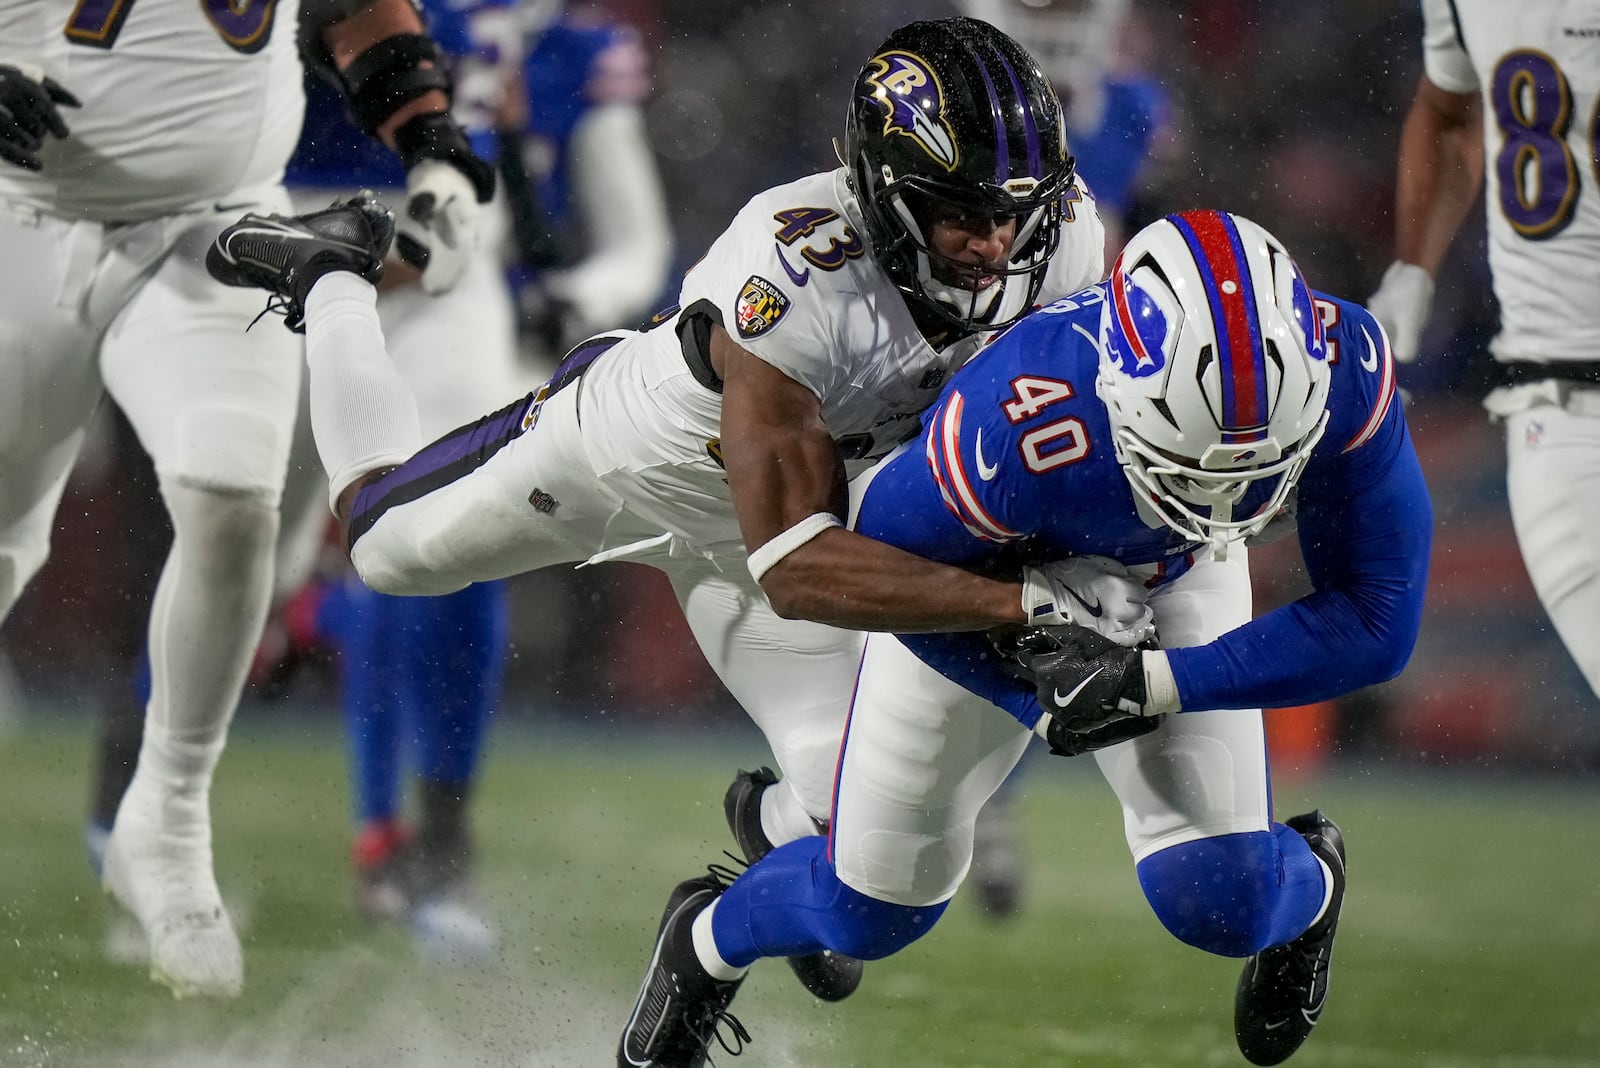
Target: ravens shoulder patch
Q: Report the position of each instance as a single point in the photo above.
(761, 305)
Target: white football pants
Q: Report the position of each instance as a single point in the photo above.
(89, 308)
(922, 755)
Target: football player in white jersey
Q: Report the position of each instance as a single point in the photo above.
(1509, 91)
(716, 445)
(131, 132)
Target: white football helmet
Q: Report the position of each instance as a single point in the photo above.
(1213, 370)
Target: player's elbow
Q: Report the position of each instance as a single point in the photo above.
(787, 593)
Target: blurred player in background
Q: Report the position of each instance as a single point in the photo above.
(715, 445)
(1117, 121)
(130, 132)
(1511, 90)
(1146, 430)
(592, 241)
(421, 676)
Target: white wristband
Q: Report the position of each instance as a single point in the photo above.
(1160, 687)
(766, 558)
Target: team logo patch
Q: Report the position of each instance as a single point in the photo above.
(1139, 347)
(908, 91)
(761, 305)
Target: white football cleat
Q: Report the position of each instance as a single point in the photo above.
(158, 867)
(449, 931)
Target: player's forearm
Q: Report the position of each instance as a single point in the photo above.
(847, 580)
(1440, 170)
(349, 37)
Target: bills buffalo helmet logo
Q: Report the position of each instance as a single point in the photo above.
(1139, 343)
(913, 104)
(761, 305)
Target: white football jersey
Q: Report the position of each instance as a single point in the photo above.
(792, 281)
(1535, 65)
(185, 102)
(795, 284)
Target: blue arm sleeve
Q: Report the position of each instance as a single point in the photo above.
(1366, 528)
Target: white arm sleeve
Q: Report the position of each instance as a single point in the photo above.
(624, 213)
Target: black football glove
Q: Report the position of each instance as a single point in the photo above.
(1092, 689)
(29, 109)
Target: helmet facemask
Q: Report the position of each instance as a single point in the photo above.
(936, 281)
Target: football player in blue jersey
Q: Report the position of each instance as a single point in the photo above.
(1149, 427)
(1117, 121)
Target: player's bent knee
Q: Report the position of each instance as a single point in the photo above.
(869, 929)
(1216, 894)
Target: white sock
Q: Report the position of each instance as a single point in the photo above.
(783, 818)
(705, 947)
(363, 415)
(172, 787)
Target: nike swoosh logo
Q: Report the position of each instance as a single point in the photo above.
(1063, 702)
(1369, 362)
(985, 471)
(799, 278)
(1093, 609)
(1274, 1026)
(220, 207)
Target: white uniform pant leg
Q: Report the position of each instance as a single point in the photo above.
(1200, 774)
(214, 406)
(1553, 487)
(535, 502)
(49, 382)
(793, 677)
(922, 755)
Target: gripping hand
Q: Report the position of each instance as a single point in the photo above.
(1401, 307)
(1092, 690)
(1091, 591)
(30, 106)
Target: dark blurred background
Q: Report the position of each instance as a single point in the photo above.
(1286, 113)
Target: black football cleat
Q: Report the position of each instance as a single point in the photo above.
(681, 1009)
(286, 254)
(1283, 988)
(829, 976)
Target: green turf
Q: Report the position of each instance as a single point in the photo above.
(1471, 935)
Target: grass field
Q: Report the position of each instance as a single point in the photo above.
(1471, 934)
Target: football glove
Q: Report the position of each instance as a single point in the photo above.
(1401, 307)
(446, 185)
(1091, 591)
(1092, 689)
(30, 108)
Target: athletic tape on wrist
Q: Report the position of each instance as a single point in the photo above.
(1160, 687)
(766, 558)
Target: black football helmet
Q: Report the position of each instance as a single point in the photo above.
(952, 110)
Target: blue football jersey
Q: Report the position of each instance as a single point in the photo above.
(1015, 465)
(1111, 156)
